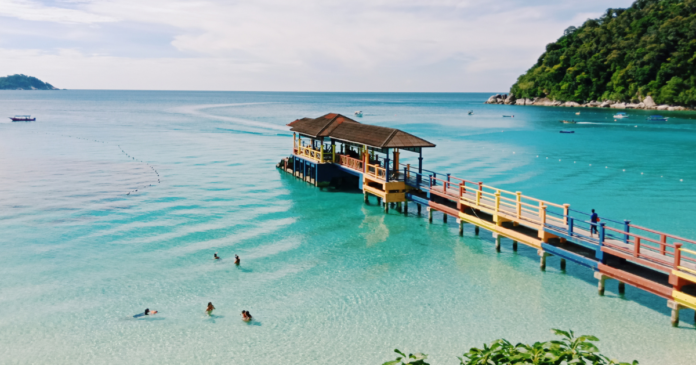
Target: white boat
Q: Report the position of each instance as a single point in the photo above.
(620, 116)
(358, 113)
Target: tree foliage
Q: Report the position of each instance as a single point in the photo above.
(627, 54)
(569, 350)
(23, 82)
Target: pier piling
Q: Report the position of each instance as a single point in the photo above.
(563, 265)
(386, 207)
(418, 208)
(542, 260)
(476, 230)
(622, 288)
(406, 207)
(602, 281)
(444, 217)
(367, 199)
(514, 246)
(497, 243)
(675, 312)
(461, 227)
(430, 215)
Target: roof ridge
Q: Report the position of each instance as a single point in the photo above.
(328, 124)
(386, 141)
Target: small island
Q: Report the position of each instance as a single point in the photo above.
(24, 82)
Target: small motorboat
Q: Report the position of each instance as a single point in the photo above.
(568, 121)
(508, 116)
(657, 118)
(578, 113)
(358, 113)
(567, 131)
(620, 116)
(471, 112)
(23, 118)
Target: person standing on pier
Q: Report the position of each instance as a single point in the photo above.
(594, 218)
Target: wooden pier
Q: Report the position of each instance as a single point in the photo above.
(334, 148)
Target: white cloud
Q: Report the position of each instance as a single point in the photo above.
(390, 45)
(35, 11)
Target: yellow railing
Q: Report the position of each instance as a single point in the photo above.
(352, 163)
(376, 172)
(313, 154)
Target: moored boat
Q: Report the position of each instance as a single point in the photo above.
(358, 113)
(568, 121)
(23, 118)
(620, 116)
(567, 131)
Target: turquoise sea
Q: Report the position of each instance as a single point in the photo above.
(327, 278)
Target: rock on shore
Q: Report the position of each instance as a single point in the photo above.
(647, 104)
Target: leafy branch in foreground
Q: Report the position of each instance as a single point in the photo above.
(569, 350)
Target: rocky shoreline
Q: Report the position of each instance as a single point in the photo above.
(646, 104)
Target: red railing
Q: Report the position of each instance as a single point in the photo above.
(351, 163)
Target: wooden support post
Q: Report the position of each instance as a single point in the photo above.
(430, 215)
(461, 227)
(367, 199)
(622, 288)
(418, 206)
(601, 285)
(563, 265)
(444, 217)
(379, 201)
(386, 207)
(406, 207)
(514, 246)
(675, 312)
(542, 261)
(497, 242)
(476, 230)
(398, 207)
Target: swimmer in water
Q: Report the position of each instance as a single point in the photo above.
(246, 316)
(210, 308)
(216, 257)
(237, 260)
(146, 313)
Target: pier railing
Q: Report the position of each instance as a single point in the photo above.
(351, 163)
(376, 171)
(317, 155)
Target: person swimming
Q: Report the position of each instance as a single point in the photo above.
(146, 313)
(216, 257)
(237, 260)
(210, 308)
(246, 316)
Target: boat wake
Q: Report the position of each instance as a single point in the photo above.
(199, 111)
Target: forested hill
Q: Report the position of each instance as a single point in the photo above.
(23, 82)
(626, 55)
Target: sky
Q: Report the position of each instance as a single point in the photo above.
(284, 45)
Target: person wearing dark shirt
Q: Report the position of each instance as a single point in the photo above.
(594, 218)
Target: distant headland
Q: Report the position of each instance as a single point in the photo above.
(641, 57)
(24, 82)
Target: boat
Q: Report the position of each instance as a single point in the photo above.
(358, 113)
(567, 131)
(620, 116)
(471, 112)
(657, 118)
(508, 116)
(23, 118)
(578, 113)
(568, 121)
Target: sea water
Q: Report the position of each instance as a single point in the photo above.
(115, 201)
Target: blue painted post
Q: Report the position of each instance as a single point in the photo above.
(420, 165)
(405, 174)
(386, 166)
(599, 254)
(570, 226)
(627, 225)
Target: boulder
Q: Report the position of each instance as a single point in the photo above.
(571, 104)
(662, 107)
(594, 104)
(649, 102)
(542, 101)
(554, 103)
(606, 104)
(510, 99)
(493, 99)
(631, 106)
(676, 108)
(618, 106)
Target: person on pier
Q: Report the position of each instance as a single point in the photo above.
(594, 219)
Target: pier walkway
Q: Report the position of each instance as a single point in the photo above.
(657, 262)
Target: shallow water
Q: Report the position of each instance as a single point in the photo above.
(327, 278)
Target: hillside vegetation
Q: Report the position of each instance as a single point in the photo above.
(625, 55)
(23, 82)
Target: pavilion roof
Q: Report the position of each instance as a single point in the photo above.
(342, 128)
